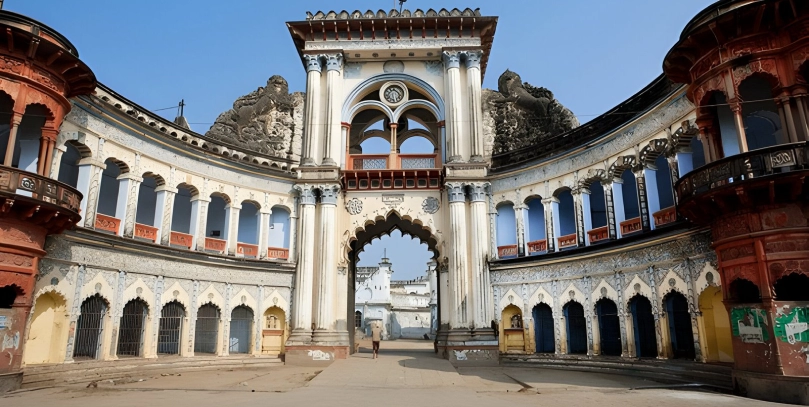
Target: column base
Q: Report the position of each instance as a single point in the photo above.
(476, 159)
(322, 337)
(314, 355)
(328, 162)
(299, 337)
(462, 348)
(308, 162)
(770, 387)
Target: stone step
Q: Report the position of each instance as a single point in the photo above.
(665, 371)
(88, 371)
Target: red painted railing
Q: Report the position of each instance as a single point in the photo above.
(247, 250)
(181, 239)
(598, 234)
(537, 246)
(107, 223)
(507, 251)
(277, 253)
(631, 226)
(216, 245)
(665, 216)
(146, 232)
(567, 241)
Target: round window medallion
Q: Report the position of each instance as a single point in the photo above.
(393, 93)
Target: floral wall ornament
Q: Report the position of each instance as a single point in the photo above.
(430, 205)
(354, 206)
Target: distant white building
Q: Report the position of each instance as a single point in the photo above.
(406, 309)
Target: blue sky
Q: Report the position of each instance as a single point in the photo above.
(592, 54)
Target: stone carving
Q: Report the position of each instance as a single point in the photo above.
(430, 205)
(393, 67)
(525, 115)
(262, 121)
(354, 206)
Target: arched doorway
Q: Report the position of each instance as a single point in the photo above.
(718, 339)
(543, 328)
(206, 330)
(576, 328)
(792, 287)
(47, 335)
(273, 332)
(513, 331)
(680, 329)
(609, 327)
(241, 325)
(131, 331)
(643, 325)
(171, 328)
(89, 328)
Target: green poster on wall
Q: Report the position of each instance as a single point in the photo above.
(793, 327)
(749, 324)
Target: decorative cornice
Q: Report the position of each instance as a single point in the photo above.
(418, 13)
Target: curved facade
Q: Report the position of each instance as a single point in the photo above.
(671, 227)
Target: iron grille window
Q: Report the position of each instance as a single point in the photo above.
(358, 319)
(89, 328)
(207, 329)
(133, 321)
(241, 323)
(171, 326)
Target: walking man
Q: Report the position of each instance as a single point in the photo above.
(376, 336)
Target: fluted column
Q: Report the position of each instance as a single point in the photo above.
(492, 227)
(311, 135)
(458, 268)
(331, 135)
(452, 63)
(89, 183)
(474, 80)
(164, 208)
(324, 317)
(479, 248)
(304, 278)
(56, 162)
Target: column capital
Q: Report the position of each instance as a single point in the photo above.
(452, 59)
(477, 191)
(313, 62)
(200, 198)
(334, 62)
(473, 59)
(306, 193)
(550, 200)
(129, 176)
(233, 205)
(328, 194)
(166, 188)
(92, 161)
(455, 192)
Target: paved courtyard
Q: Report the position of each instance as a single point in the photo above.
(407, 373)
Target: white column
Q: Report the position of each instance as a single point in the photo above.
(587, 214)
(458, 268)
(125, 183)
(164, 207)
(293, 231)
(131, 202)
(304, 278)
(232, 222)
(88, 184)
(578, 214)
(56, 162)
(473, 77)
(331, 135)
(479, 248)
(263, 231)
(551, 224)
(557, 224)
(312, 121)
(452, 63)
(618, 204)
(519, 219)
(652, 194)
(324, 318)
(432, 274)
(199, 217)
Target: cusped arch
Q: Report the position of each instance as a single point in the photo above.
(621, 164)
(384, 225)
(362, 89)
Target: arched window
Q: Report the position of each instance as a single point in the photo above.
(217, 224)
(279, 228)
(206, 329)
(6, 108)
(564, 220)
(535, 226)
(697, 153)
(249, 218)
(69, 165)
(241, 326)
(29, 133)
(171, 328)
(598, 205)
(744, 291)
(665, 189)
(146, 227)
(358, 319)
(133, 324)
(89, 328)
(792, 287)
(109, 195)
(762, 123)
(506, 231)
(181, 217)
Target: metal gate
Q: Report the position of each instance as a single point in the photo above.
(207, 330)
(543, 329)
(644, 321)
(130, 334)
(171, 327)
(241, 323)
(576, 328)
(680, 329)
(609, 327)
(89, 328)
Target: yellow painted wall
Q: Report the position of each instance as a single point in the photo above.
(717, 326)
(274, 344)
(47, 336)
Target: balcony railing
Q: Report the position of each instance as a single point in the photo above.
(216, 245)
(567, 241)
(418, 161)
(366, 162)
(247, 250)
(665, 216)
(107, 223)
(181, 239)
(537, 246)
(598, 234)
(504, 252)
(277, 253)
(631, 226)
(146, 232)
(738, 168)
(14, 181)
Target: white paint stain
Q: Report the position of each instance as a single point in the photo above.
(11, 342)
(320, 355)
(460, 354)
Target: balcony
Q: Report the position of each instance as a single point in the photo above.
(216, 245)
(758, 177)
(146, 232)
(631, 226)
(42, 201)
(107, 223)
(537, 246)
(567, 241)
(665, 216)
(277, 253)
(598, 234)
(506, 252)
(392, 171)
(246, 250)
(183, 240)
